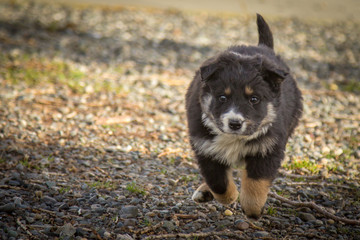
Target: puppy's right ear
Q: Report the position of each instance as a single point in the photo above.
(208, 70)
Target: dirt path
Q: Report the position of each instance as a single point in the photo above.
(93, 141)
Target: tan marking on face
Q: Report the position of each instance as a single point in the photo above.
(253, 194)
(227, 91)
(231, 194)
(248, 90)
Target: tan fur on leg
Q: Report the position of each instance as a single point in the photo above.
(253, 195)
(231, 194)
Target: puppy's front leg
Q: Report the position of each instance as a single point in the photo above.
(219, 182)
(253, 195)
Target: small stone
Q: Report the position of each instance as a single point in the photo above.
(169, 226)
(150, 214)
(30, 219)
(324, 173)
(172, 182)
(17, 201)
(50, 184)
(64, 206)
(123, 237)
(9, 207)
(20, 167)
(306, 216)
(67, 230)
(14, 183)
(260, 234)
(12, 233)
(324, 161)
(97, 208)
(38, 194)
(130, 222)
(212, 208)
(325, 150)
(318, 222)
(307, 138)
(338, 152)
(49, 200)
(330, 221)
(228, 212)
(241, 225)
(80, 232)
(107, 235)
(129, 212)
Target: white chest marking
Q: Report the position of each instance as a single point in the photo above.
(231, 150)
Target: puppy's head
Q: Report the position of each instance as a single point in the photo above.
(240, 93)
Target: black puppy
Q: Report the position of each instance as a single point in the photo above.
(242, 106)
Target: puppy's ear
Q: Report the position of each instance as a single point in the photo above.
(273, 74)
(208, 70)
(265, 35)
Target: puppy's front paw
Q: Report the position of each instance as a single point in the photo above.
(202, 194)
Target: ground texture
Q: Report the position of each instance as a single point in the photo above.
(93, 141)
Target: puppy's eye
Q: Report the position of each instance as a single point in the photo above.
(222, 99)
(254, 99)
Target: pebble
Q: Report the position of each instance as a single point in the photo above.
(338, 152)
(169, 226)
(228, 212)
(18, 201)
(129, 222)
(260, 234)
(306, 216)
(123, 237)
(330, 221)
(97, 208)
(9, 207)
(325, 150)
(129, 212)
(241, 225)
(67, 230)
(150, 214)
(49, 200)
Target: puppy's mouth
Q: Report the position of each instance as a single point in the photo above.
(239, 128)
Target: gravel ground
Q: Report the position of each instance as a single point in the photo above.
(93, 141)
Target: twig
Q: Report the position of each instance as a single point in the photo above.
(186, 216)
(42, 210)
(254, 226)
(235, 235)
(11, 187)
(148, 229)
(317, 208)
(317, 184)
(290, 175)
(24, 228)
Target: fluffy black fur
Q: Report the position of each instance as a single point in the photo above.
(270, 109)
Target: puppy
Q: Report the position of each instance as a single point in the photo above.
(242, 106)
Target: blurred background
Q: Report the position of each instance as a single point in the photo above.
(306, 9)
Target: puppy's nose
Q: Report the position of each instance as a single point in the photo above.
(234, 124)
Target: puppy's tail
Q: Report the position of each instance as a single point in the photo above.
(265, 35)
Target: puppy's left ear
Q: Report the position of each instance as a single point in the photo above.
(273, 74)
(208, 70)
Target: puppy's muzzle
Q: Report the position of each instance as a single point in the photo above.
(235, 124)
